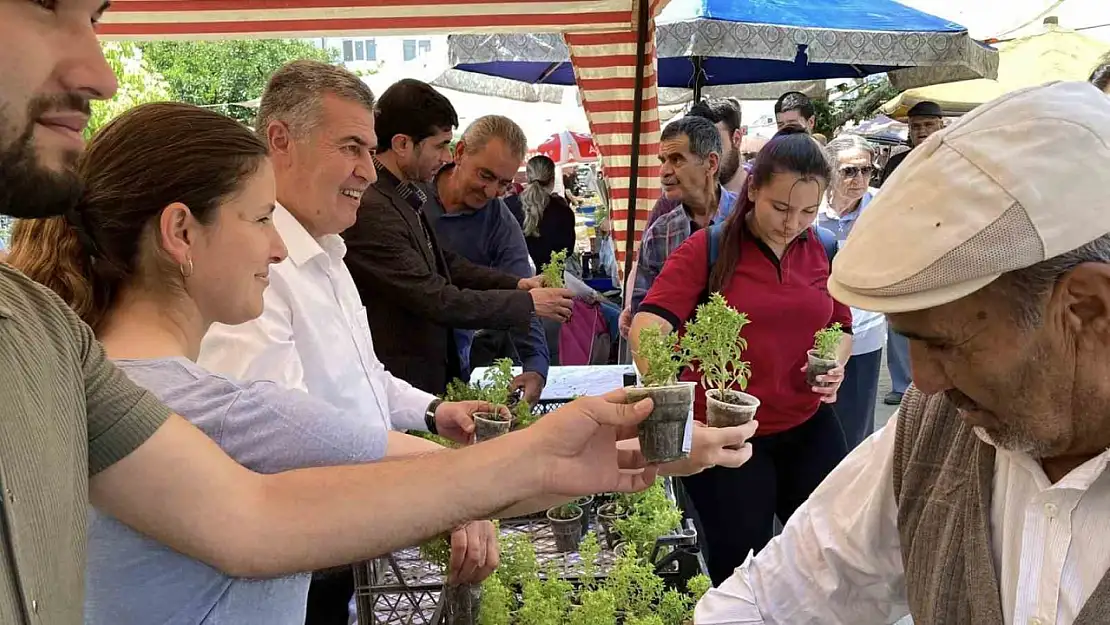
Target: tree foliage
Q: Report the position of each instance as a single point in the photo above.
(138, 84)
(227, 73)
(857, 103)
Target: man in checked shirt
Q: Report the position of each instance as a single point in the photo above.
(690, 160)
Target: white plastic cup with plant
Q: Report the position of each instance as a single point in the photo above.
(713, 341)
(566, 526)
(822, 358)
(663, 434)
(496, 388)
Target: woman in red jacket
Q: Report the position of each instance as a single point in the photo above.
(772, 266)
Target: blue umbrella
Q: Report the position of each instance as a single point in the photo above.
(725, 42)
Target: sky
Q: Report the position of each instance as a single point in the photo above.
(993, 18)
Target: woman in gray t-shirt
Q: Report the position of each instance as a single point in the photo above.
(175, 235)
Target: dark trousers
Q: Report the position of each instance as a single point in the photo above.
(898, 361)
(735, 508)
(329, 598)
(855, 401)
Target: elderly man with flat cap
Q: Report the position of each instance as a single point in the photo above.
(986, 500)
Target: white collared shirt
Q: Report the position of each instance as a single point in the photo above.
(838, 560)
(313, 335)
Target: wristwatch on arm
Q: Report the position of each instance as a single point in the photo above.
(430, 415)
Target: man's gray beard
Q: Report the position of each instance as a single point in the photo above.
(1013, 441)
(27, 189)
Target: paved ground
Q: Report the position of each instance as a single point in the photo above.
(883, 413)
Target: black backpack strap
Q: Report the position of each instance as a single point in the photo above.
(828, 241)
(716, 233)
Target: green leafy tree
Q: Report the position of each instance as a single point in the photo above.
(856, 102)
(139, 83)
(225, 73)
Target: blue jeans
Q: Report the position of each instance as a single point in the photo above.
(898, 361)
(612, 314)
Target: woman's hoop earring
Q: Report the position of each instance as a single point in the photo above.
(182, 268)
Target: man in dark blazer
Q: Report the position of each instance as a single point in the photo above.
(416, 292)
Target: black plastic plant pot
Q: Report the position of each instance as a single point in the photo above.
(587, 505)
(735, 408)
(488, 425)
(460, 604)
(663, 432)
(567, 531)
(607, 516)
(817, 366)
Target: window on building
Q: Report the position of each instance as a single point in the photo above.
(409, 46)
(371, 50)
(425, 46)
(348, 50)
(360, 50)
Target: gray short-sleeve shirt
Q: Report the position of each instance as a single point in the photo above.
(133, 580)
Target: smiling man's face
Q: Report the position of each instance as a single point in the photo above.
(45, 90)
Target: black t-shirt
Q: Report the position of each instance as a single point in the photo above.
(556, 232)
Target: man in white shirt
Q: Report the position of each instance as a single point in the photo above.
(987, 501)
(313, 334)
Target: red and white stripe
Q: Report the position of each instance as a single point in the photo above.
(213, 19)
(605, 70)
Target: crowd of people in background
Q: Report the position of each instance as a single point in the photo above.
(215, 335)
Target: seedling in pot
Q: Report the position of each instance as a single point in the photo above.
(460, 602)
(607, 517)
(663, 432)
(496, 390)
(566, 525)
(822, 358)
(554, 269)
(490, 425)
(587, 505)
(713, 341)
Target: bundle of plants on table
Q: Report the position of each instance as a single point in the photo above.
(496, 389)
(822, 358)
(712, 342)
(650, 516)
(663, 432)
(554, 270)
(632, 594)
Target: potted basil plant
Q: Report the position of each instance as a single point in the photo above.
(822, 358)
(495, 390)
(663, 433)
(566, 525)
(712, 341)
(554, 270)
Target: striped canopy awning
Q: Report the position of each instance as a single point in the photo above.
(602, 36)
(143, 19)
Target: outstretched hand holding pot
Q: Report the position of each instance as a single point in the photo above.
(712, 447)
(577, 447)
